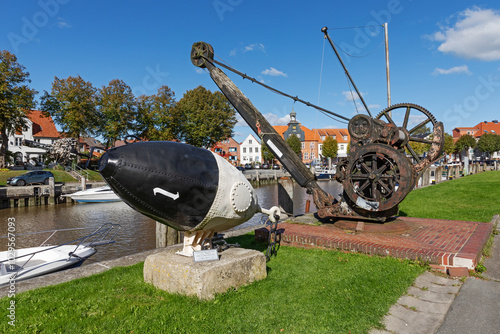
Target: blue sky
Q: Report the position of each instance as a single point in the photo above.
(444, 55)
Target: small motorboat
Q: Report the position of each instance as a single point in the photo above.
(95, 195)
(25, 263)
(325, 173)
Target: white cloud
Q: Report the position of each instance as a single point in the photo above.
(255, 46)
(416, 119)
(199, 70)
(240, 121)
(475, 35)
(351, 95)
(248, 48)
(61, 23)
(274, 72)
(453, 70)
(274, 119)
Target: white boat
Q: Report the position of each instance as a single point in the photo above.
(25, 263)
(36, 261)
(95, 195)
(325, 173)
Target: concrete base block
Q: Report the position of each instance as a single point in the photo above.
(179, 274)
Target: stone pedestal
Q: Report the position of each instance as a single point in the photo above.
(179, 274)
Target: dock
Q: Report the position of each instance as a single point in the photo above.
(37, 195)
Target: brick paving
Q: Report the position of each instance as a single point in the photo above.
(441, 243)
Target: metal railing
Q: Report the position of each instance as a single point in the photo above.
(77, 171)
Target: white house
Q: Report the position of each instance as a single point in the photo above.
(40, 129)
(250, 150)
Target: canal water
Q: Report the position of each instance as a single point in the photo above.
(137, 231)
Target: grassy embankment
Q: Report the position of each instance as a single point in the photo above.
(471, 198)
(59, 176)
(306, 291)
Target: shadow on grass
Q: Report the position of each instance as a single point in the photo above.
(248, 241)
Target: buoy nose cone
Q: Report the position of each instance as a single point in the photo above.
(170, 182)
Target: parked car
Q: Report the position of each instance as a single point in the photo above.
(276, 166)
(265, 166)
(39, 176)
(240, 168)
(248, 166)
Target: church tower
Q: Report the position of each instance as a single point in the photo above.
(294, 128)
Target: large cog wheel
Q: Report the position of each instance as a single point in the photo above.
(378, 178)
(410, 110)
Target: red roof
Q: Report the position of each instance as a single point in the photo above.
(338, 133)
(43, 126)
(487, 127)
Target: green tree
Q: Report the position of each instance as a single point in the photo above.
(330, 147)
(117, 111)
(73, 104)
(16, 98)
(489, 143)
(464, 143)
(294, 142)
(157, 118)
(449, 145)
(207, 117)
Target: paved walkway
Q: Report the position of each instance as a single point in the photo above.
(442, 305)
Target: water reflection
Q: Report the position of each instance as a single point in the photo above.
(138, 231)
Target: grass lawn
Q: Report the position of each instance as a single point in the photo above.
(306, 291)
(472, 198)
(59, 176)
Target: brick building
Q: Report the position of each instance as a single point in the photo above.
(312, 140)
(228, 149)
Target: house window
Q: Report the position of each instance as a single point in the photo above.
(298, 135)
(249, 150)
(233, 149)
(311, 145)
(256, 150)
(312, 155)
(244, 150)
(341, 147)
(306, 156)
(323, 137)
(334, 137)
(345, 137)
(302, 145)
(250, 141)
(19, 141)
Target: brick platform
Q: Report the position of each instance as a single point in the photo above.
(441, 243)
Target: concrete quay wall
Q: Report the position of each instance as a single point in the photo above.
(35, 195)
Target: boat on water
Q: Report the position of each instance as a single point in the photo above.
(325, 173)
(95, 195)
(25, 263)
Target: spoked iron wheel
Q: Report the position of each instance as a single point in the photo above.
(403, 115)
(378, 177)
